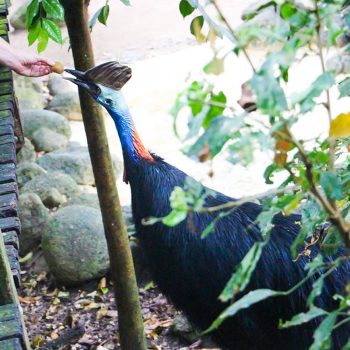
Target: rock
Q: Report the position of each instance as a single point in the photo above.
(33, 216)
(91, 200)
(58, 86)
(47, 140)
(183, 329)
(26, 171)
(21, 81)
(76, 163)
(52, 188)
(74, 245)
(29, 99)
(18, 19)
(34, 119)
(87, 199)
(27, 152)
(67, 104)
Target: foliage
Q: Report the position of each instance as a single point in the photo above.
(44, 17)
(316, 171)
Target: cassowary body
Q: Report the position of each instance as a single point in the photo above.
(192, 271)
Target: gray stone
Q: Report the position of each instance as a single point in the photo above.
(57, 86)
(91, 200)
(67, 104)
(26, 171)
(76, 163)
(34, 119)
(18, 18)
(86, 199)
(27, 152)
(33, 216)
(21, 81)
(74, 245)
(183, 329)
(47, 140)
(43, 186)
(29, 99)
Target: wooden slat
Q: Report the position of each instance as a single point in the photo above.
(8, 205)
(10, 322)
(11, 344)
(11, 239)
(10, 224)
(9, 188)
(7, 173)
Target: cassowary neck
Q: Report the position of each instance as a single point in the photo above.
(133, 149)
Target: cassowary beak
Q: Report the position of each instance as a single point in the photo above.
(80, 80)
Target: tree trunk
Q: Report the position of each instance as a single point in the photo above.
(122, 268)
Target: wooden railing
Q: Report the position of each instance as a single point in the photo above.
(12, 331)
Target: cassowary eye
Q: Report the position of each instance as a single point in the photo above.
(109, 101)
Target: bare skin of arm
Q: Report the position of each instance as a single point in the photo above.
(23, 63)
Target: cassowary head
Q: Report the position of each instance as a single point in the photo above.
(103, 82)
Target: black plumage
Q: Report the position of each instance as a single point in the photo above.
(192, 271)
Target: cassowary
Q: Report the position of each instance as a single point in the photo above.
(192, 271)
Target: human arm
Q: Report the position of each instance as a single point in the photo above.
(23, 63)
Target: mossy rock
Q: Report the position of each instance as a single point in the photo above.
(34, 119)
(74, 245)
(26, 171)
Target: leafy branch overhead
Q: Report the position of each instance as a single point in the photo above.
(312, 174)
(44, 18)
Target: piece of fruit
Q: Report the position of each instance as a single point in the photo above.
(58, 68)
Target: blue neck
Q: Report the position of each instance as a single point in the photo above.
(125, 127)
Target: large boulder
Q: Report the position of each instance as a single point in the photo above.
(74, 245)
(34, 119)
(27, 152)
(33, 216)
(67, 104)
(29, 92)
(18, 18)
(52, 188)
(58, 86)
(91, 200)
(26, 171)
(47, 140)
(76, 163)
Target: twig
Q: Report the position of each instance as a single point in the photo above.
(230, 28)
(234, 204)
(328, 103)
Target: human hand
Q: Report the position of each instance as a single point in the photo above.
(30, 65)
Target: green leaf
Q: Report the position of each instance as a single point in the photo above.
(209, 229)
(264, 220)
(174, 217)
(246, 301)
(322, 335)
(126, 2)
(215, 111)
(54, 9)
(331, 185)
(178, 199)
(215, 66)
(196, 27)
(34, 31)
(216, 135)
(307, 98)
(288, 10)
(103, 16)
(240, 279)
(316, 290)
(185, 8)
(43, 40)
(304, 317)
(269, 171)
(344, 87)
(52, 30)
(32, 11)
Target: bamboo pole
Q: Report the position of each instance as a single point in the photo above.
(122, 268)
